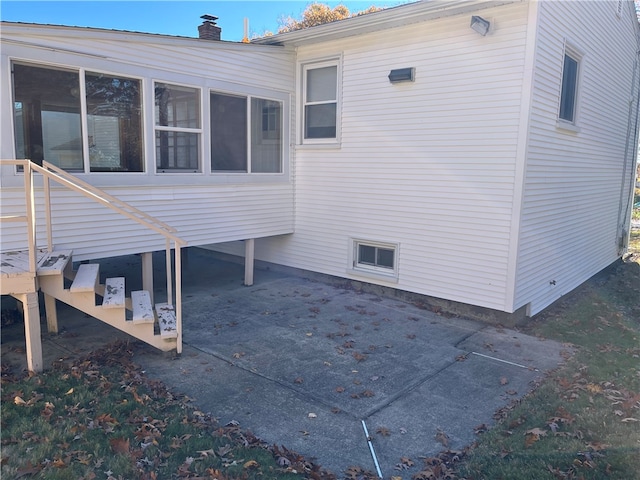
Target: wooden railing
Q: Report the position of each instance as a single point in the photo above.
(52, 173)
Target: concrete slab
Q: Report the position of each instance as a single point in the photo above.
(271, 354)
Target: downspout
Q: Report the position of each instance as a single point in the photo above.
(624, 213)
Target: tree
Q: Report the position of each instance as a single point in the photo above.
(319, 13)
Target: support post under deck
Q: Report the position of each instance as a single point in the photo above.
(147, 273)
(32, 332)
(51, 313)
(249, 255)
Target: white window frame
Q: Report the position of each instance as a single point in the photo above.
(575, 54)
(281, 127)
(374, 271)
(304, 68)
(159, 128)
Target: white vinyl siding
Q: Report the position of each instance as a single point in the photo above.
(573, 182)
(202, 215)
(430, 163)
(204, 207)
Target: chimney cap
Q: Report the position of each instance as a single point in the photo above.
(209, 18)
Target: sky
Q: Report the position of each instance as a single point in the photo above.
(170, 17)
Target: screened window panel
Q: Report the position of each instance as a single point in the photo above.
(177, 106)
(47, 113)
(320, 121)
(177, 150)
(114, 123)
(266, 136)
(228, 133)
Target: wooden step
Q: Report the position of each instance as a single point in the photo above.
(86, 278)
(166, 320)
(141, 306)
(54, 263)
(113, 293)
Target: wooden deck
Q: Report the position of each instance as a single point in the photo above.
(14, 269)
(15, 275)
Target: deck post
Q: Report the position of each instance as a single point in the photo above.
(147, 273)
(249, 256)
(51, 313)
(32, 330)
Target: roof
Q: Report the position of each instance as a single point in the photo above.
(388, 18)
(8, 28)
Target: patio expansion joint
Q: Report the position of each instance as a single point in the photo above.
(301, 394)
(410, 388)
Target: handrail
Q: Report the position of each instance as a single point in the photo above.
(111, 198)
(52, 172)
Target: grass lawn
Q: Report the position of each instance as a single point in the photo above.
(583, 422)
(101, 419)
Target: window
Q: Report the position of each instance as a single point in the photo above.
(569, 89)
(374, 257)
(243, 129)
(178, 128)
(47, 115)
(266, 136)
(49, 126)
(114, 123)
(320, 90)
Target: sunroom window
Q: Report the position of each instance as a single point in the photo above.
(114, 123)
(246, 134)
(48, 120)
(178, 128)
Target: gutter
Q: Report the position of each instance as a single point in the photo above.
(416, 12)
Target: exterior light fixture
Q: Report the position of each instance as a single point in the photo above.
(480, 25)
(402, 75)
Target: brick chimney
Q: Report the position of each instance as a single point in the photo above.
(209, 30)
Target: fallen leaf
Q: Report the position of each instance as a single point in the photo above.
(442, 437)
(384, 431)
(339, 389)
(312, 415)
(251, 464)
(119, 445)
(19, 401)
(503, 380)
(298, 380)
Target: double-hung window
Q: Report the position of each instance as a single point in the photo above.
(177, 128)
(569, 86)
(320, 102)
(246, 134)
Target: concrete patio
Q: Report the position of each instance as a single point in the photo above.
(302, 363)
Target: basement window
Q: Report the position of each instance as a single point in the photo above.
(375, 258)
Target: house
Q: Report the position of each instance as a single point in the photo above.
(478, 153)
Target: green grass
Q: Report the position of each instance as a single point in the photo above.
(583, 422)
(100, 418)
